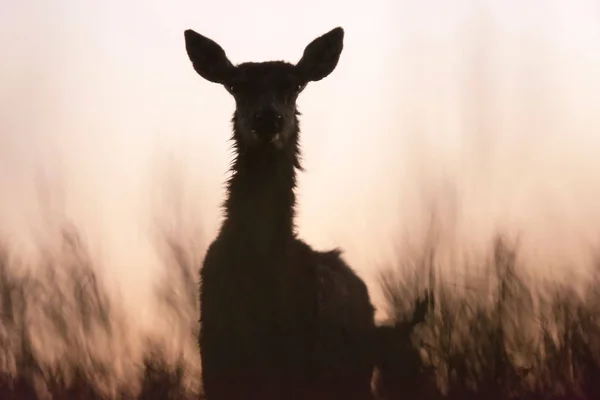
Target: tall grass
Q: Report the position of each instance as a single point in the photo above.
(501, 337)
(61, 336)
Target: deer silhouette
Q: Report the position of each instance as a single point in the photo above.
(279, 320)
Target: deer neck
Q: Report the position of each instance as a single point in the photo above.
(260, 203)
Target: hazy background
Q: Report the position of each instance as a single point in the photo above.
(484, 113)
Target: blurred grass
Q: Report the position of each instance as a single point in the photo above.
(58, 331)
(501, 337)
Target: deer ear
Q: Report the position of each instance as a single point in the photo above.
(208, 58)
(321, 56)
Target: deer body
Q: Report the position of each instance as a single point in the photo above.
(279, 320)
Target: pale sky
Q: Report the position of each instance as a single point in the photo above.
(486, 110)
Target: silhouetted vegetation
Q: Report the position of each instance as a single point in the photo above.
(503, 338)
(55, 318)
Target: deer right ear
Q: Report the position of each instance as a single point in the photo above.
(321, 56)
(208, 58)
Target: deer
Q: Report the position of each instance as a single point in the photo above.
(279, 320)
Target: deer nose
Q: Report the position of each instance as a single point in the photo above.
(266, 115)
(267, 120)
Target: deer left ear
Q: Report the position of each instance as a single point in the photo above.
(321, 56)
(208, 58)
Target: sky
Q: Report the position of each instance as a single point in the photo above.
(484, 113)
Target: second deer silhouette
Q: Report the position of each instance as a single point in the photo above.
(279, 320)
